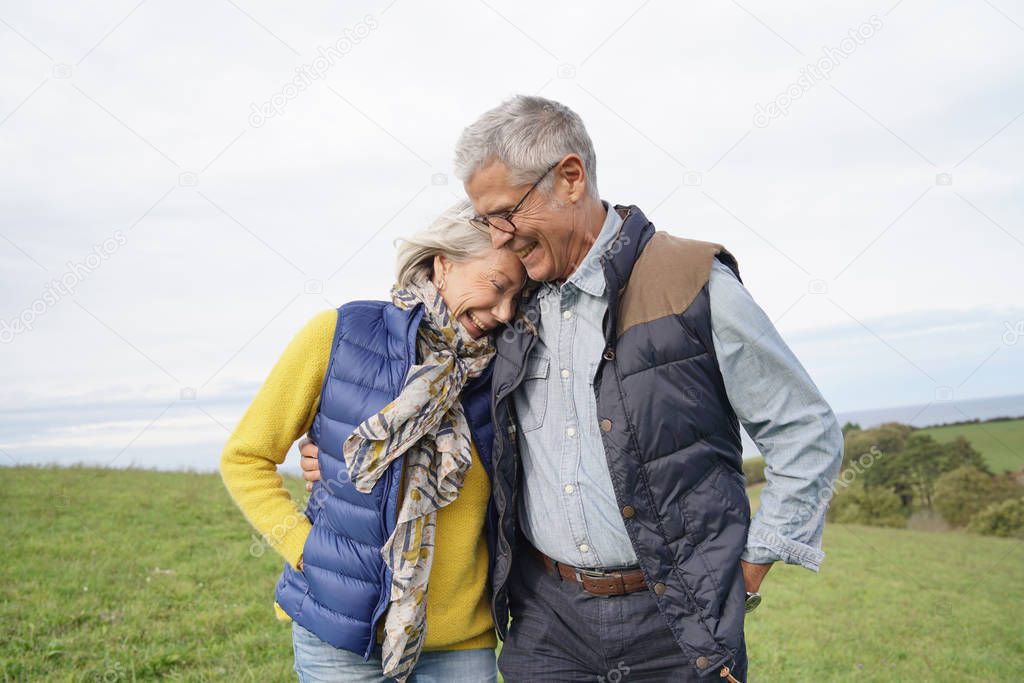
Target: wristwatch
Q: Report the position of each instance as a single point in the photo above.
(753, 600)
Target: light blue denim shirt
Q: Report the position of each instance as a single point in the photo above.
(568, 508)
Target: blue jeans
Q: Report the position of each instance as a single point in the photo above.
(320, 662)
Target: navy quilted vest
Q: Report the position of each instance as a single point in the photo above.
(344, 587)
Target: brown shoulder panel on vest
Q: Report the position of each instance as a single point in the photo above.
(666, 278)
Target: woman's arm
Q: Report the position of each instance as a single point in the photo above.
(282, 412)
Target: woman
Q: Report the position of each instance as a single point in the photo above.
(396, 397)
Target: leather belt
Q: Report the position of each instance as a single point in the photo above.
(596, 582)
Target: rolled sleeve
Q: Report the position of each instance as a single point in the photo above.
(765, 545)
(788, 419)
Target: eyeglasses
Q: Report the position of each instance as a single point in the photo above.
(503, 220)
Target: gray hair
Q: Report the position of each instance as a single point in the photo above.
(528, 134)
(449, 235)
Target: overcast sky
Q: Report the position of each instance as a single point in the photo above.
(203, 177)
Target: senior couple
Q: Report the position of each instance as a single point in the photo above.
(542, 424)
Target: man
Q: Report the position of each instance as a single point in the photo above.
(625, 548)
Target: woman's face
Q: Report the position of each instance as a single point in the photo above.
(481, 292)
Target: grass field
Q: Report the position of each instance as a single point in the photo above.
(132, 575)
(1000, 442)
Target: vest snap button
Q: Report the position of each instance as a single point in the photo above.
(659, 588)
(628, 512)
(609, 354)
(606, 425)
(702, 662)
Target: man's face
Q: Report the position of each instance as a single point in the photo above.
(545, 227)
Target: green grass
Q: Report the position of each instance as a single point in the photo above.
(132, 575)
(1000, 442)
(893, 605)
(754, 494)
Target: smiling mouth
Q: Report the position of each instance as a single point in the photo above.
(525, 251)
(476, 321)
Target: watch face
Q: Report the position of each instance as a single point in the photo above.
(753, 600)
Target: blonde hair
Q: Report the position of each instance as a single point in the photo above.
(449, 235)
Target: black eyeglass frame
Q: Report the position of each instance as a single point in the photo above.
(484, 224)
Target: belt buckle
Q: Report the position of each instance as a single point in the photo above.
(580, 573)
(594, 574)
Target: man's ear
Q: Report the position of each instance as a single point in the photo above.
(573, 177)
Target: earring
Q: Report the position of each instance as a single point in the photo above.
(440, 285)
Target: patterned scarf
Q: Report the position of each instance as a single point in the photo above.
(427, 424)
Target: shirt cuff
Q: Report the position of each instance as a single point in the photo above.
(765, 545)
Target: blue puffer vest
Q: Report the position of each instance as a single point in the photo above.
(345, 585)
(671, 439)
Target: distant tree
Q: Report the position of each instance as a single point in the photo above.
(1000, 519)
(912, 470)
(888, 438)
(923, 461)
(849, 427)
(875, 507)
(892, 471)
(960, 453)
(965, 491)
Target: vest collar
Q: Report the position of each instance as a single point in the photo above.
(631, 239)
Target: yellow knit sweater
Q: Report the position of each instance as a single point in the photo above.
(458, 614)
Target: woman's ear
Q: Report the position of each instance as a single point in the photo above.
(441, 267)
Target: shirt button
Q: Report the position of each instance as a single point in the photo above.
(659, 588)
(584, 548)
(702, 662)
(606, 425)
(567, 314)
(565, 374)
(568, 488)
(628, 512)
(571, 431)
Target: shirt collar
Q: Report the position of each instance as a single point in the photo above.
(589, 277)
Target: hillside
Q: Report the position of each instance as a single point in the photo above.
(136, 575)
(999, 442)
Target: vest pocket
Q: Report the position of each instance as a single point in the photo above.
(532, 398)
(733, 488)
(309, 537)
(715, 508)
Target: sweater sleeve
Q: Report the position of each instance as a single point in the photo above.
(281, 413)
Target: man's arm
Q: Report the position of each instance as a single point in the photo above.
(786, 416)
